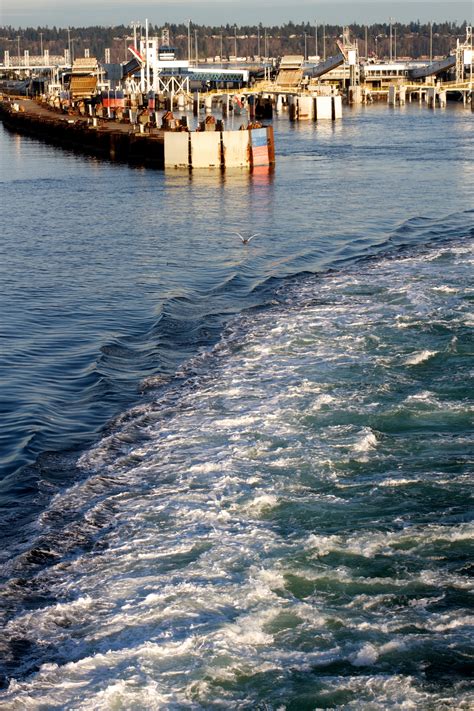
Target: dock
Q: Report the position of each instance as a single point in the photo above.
(104, 139)
(171, 146)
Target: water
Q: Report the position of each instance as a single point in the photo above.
(256, 494)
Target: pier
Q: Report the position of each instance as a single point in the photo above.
(171, 145)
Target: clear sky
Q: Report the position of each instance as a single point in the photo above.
(63, 13)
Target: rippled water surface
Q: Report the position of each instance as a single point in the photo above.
(238, 476)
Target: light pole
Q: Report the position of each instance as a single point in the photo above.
(324, 43)
(431, 42)
(258, 43)
(41, 43)
(235, 41)
(265, 50)
(18, 47)
(305, 46)
(196, 45)
(69, 42)
(315, 38)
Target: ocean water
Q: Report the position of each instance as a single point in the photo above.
(238, 477)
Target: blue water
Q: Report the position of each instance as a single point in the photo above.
(238, 476)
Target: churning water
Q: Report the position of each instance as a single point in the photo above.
(238, 477)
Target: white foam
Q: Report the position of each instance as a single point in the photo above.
(225, 503)
(366, 443)
(260, 504)
(322, 400)
(366, 656)
(420, 357)
(446, 289)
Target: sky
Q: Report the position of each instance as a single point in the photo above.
(31, 13)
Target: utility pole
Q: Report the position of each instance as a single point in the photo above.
(258, 43)
(41, 43)
(324, 43)
(265, 44)
(235, 41)
(395, 44)
(69, 42)
(222, 42)
(315, 38)
(431, 42)
(147, 57)
(189, 41)
(366, 44)
(134, 25)
(305, 54)
(391, 55)
(196, 46)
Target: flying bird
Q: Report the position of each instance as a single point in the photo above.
(245, 240)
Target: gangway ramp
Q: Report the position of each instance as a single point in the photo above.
(290, 73)
(433, 68)
(330, 63)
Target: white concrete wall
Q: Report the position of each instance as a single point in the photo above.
(236, 148)
(176, 149)
(337, 100)
(206, 149)
(306, 108)
(323, 107)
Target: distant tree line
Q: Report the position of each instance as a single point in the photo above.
(408, 40)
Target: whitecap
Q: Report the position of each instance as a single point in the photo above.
(420, 357)
(366, 443)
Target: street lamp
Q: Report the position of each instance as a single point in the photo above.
(305, 46)
(18, 46)
(235, 41)
(315, 38)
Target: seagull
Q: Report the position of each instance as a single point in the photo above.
(245, 240)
